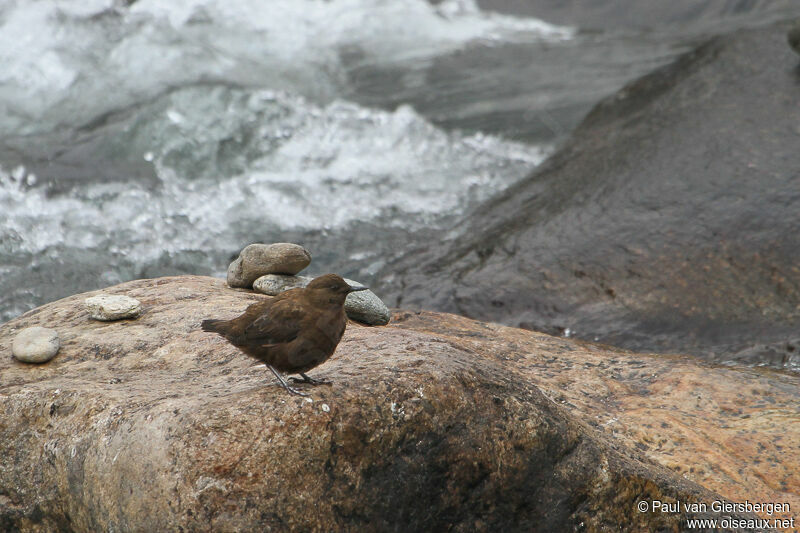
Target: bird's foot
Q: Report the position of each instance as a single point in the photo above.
(286, 385)
(292, 390)
(312, 381)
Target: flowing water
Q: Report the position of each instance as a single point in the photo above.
(149, 138)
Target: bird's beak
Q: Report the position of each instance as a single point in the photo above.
(355, 289)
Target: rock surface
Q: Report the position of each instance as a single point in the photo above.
(668, 222)
(362, 306)
(793, 37)
(733, 430)
(35, 345)
(108, 307)
(642, 14)
(256, 260)
(434, 423)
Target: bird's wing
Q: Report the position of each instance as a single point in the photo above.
(275, 323)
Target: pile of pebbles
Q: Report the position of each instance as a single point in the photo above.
(272, 268)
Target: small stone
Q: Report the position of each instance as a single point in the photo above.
(366, 307)
(257, 260)
(361, 306)
(108, 307)
(325, 408)
(274, 284)
(35, 345)
(794, 37)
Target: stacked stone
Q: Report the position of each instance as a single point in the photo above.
(272, 268)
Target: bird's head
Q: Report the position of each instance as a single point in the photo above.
(331, 288)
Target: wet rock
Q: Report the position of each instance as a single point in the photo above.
(257, 260)
(793, 37)
(107, 307)
(362, 306)
(433, 423)
(667, 223)
(628, 14)
(35, 345)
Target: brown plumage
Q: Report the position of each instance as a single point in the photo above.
(293, 332)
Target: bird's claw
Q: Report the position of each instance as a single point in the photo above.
(312, 381)
(284, 384)
(292, 390)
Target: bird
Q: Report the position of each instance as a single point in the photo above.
(293, 332)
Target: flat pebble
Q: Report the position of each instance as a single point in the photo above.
(108, 307)
(274, 284)
(35, 345)
(361, 306)
(257, 260)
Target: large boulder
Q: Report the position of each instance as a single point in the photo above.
(435, 423)
(668, 222)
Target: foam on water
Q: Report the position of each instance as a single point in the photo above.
(65, 63)
(235, 112)
(236, 163)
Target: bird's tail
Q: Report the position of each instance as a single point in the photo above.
(211, 325)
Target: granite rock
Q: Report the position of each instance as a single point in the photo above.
(433, 423)
(256, 260)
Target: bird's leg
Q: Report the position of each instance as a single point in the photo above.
(285, 385)
(307, 379)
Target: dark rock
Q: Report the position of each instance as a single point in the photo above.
(420, 431)
(793, 36)
(649, 14)
(668, 222)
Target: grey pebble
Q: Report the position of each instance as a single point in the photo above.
(793, 37)
(36, 345)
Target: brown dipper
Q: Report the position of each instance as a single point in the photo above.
(293, 332)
